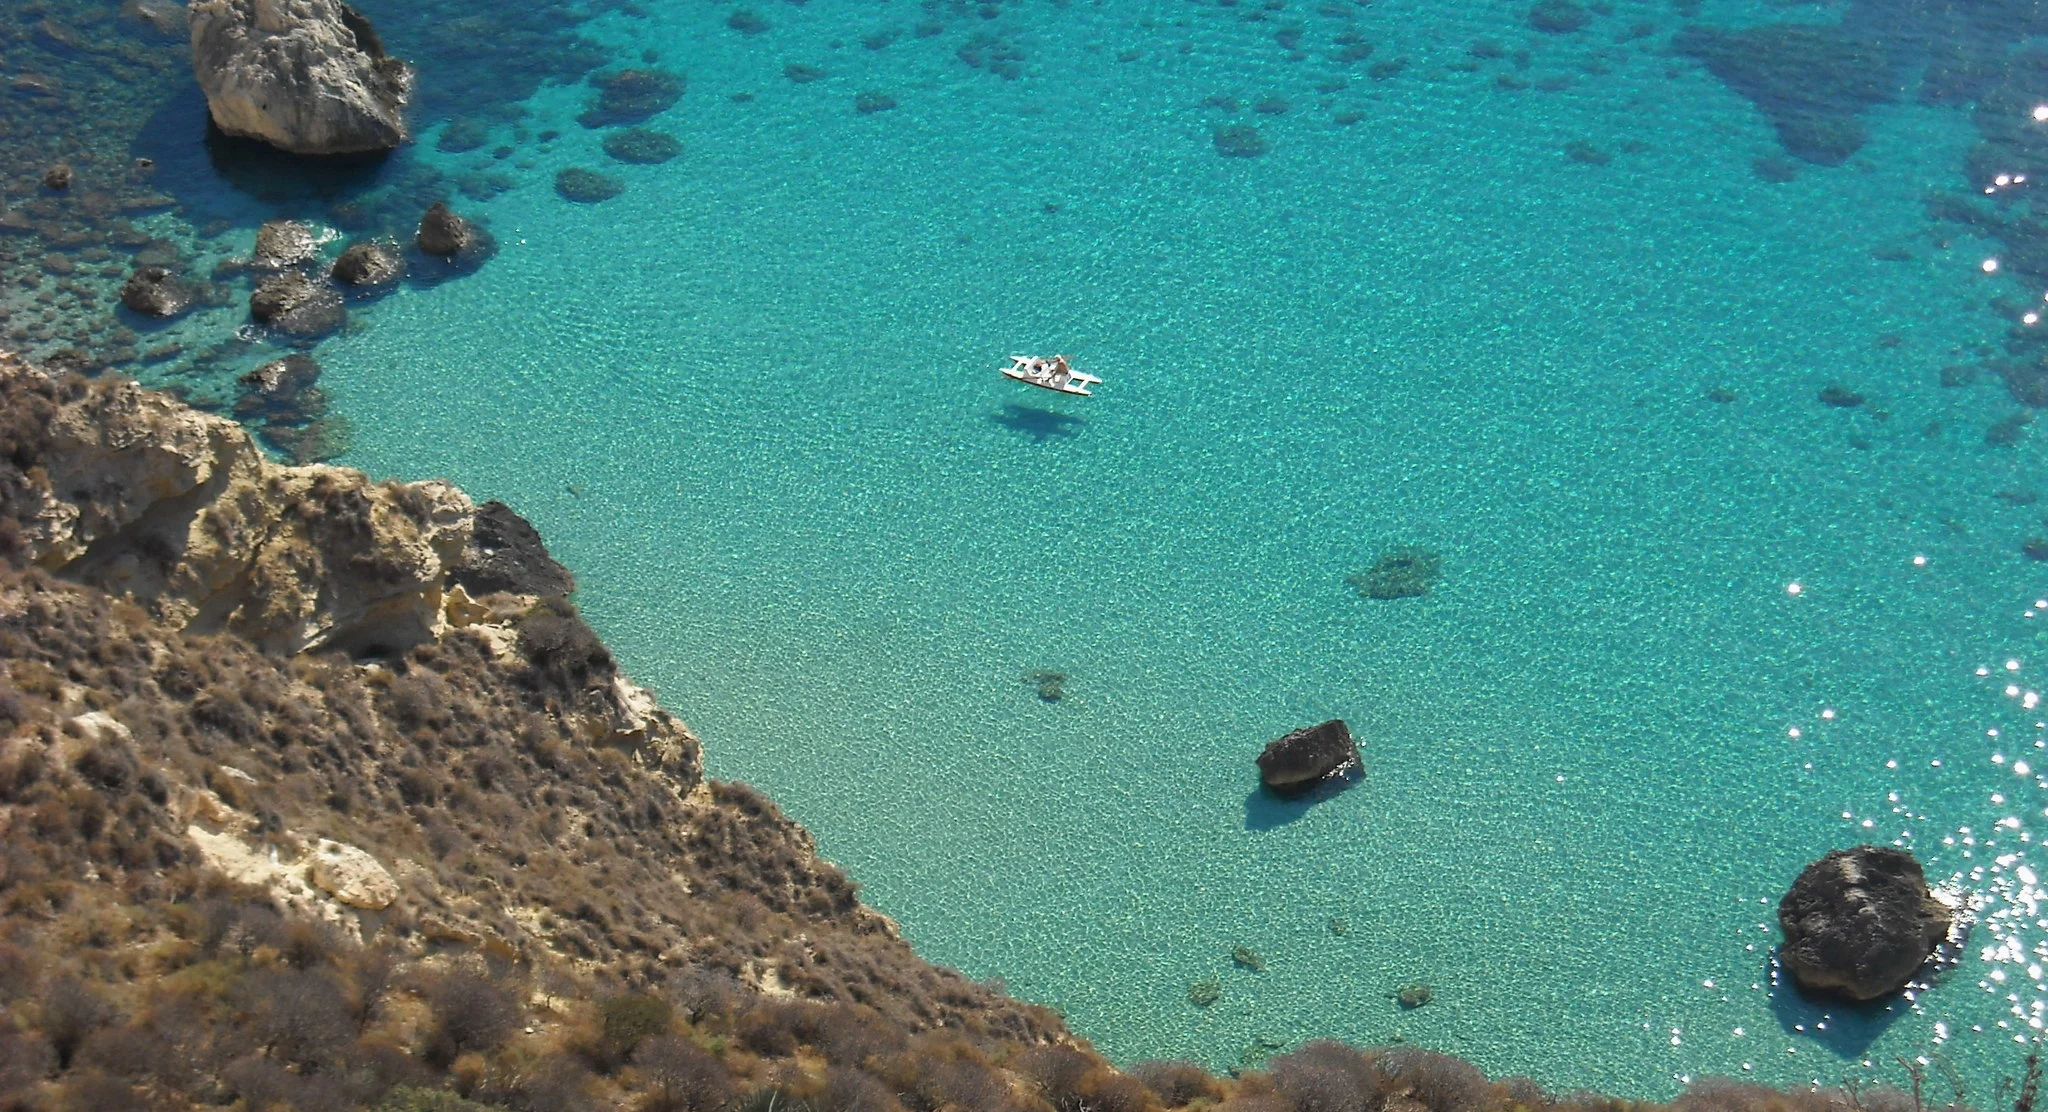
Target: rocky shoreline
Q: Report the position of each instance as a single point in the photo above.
(266, 724)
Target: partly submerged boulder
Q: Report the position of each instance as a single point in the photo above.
(293, 303)
(281, 244)
(1295, 764)
(369, 263)
(1860, 922)
(155, 292)
(444, 234)
(306, 76)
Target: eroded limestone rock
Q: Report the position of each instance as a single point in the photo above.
(306, 76)
(352, 876)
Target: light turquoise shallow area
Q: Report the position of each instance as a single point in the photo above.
(753, 402)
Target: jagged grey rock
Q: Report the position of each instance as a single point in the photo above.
(1860, 923)
(155, 292)
(306, 76)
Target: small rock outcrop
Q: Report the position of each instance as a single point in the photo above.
(446, 235)
(1860, 922)
(506, 553)
(155, 292)
(1295, 764)
(369, 264)
(305, 76)
(352, 876)
(295, 304)
(281, 244)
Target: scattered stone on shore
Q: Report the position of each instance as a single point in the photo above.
(631, 96)
(155, 292)
(587, 187)
(1405, 572)
(1239, 141)
(1860, 923)
(1293, 765)
(641, 146)
(282, 244)
(58, 176)
(310, 77)
(369, 263)
(294, 303)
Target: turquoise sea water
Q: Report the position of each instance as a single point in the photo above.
(753, 401)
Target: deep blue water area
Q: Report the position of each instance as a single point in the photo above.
(1693, 341)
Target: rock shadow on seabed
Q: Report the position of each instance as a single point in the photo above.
(1265, 811)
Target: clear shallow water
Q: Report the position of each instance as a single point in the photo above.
(753, 402)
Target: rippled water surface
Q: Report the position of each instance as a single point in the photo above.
(1557, 306)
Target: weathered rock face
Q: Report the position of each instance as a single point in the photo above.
(306, 76)
(156, 292)
(505, 553)
(1860, 922)
(139, 495)
(1295, 764)
(352, 876)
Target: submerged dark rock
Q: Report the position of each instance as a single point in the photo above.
(58, 176)
(506, 553)
(309, 77)
(1559, 17)
(1295, 764)
(1405, 572)
(155, 292)
(1811, 81)
(1860, 922)
(631, 96)
(1239, 141)
(641, 146)
(587, 187)
(281, 392)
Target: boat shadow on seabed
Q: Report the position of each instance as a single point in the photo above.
(1041, 425)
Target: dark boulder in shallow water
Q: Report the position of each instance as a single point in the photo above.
(281, 392)
(445, 235)
(1239, 141)
(369, 264)
(155, 292)
(295, 304)
(1295, 764)
(281, 244)
(506, 553)
(1860, 922)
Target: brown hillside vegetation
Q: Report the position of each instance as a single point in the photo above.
(292, 821)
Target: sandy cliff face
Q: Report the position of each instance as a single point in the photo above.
(140, 496)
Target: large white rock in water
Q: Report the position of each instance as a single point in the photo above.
(307, 76)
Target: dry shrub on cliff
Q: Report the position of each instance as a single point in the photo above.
(1177, 1083)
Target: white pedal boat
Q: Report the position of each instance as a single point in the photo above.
(1050, 374)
